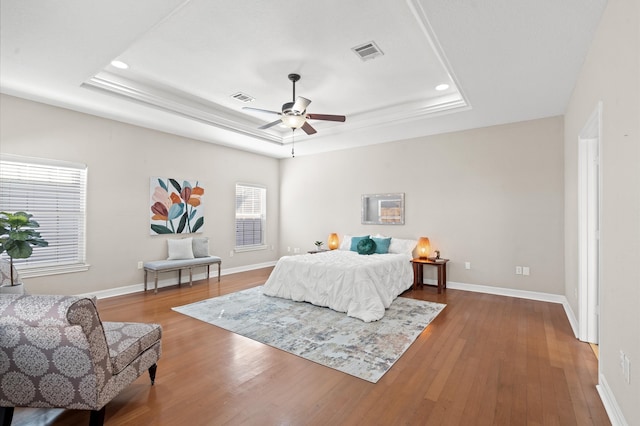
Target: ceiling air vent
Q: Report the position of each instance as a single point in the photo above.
(367, 51)
(242, 97)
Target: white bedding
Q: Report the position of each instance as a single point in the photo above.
(362, 286)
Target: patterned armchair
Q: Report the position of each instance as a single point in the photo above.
(56, 352)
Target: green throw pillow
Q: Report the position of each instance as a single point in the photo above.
(355, 241)
(382, 244)
(366, 246)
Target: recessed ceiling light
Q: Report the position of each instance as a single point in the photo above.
(119, 64)
(441, 87)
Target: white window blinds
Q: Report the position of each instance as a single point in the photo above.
(250, 216)
(55, 194)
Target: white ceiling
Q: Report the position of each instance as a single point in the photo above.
(505, 61)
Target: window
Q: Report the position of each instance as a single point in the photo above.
(54, 192)
(250, 216)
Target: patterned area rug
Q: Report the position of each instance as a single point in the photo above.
(329, 338)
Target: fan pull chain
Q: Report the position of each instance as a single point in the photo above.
(293, 143)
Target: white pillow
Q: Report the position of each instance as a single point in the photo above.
(399, 246)
(346, 243)
(180, 249)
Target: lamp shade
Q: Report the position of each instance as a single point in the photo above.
(424, 247)
(333, 241)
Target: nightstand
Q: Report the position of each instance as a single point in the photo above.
(317, 251)
(441, 266)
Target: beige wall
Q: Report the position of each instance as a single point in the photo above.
(490, 196)
(121, 158)
(611, 74)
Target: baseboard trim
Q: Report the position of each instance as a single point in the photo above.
(167, 282)
(503, 291)
(610, 404)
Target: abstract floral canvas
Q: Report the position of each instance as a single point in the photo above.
(176, 208)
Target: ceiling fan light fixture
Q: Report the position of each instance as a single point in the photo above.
(441, 87)
(294, 121)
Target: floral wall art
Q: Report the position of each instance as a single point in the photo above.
(176, 208)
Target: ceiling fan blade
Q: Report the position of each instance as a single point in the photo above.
(273, 123)
(327, 117)
(261, 110)
(308, 129)
(301, 104)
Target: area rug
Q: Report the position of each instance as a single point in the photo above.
(327, 337)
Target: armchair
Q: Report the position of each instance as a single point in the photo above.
(56, 352)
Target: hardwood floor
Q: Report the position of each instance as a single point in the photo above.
(485, 360)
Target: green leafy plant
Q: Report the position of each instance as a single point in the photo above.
(318, 244)
(19, 236)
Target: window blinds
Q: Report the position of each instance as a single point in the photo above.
(55, 194)
(250, 215)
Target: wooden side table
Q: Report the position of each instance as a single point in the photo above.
(441, 266)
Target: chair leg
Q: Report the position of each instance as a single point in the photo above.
(6, 415)
(97, 417)
(152, 373)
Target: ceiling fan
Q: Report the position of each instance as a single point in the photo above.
(294, 114)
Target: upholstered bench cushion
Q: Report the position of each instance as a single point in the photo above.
(127, 341)
(162, 265)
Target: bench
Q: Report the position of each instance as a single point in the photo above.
(158, 266)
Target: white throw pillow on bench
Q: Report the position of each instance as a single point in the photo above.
(180, 249)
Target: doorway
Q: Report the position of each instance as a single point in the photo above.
(589, 193)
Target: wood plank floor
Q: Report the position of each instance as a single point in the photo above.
(485, 360)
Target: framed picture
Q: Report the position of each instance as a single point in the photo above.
(176, 206)
(383, 209)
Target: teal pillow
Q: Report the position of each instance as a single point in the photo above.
(355, 241)
(366, 246)
(382, 244)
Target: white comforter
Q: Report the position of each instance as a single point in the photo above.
(362, 286)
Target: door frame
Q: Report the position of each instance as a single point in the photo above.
(589, 219)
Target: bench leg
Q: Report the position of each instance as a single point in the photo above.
(179, 277)
(145, 280)
(190, 277)
(219, 263)
(208, 271)
(155, 283)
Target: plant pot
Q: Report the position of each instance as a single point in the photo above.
(13, 289)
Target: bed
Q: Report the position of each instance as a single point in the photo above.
(362, 286)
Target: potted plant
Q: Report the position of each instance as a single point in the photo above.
(318, 245)
(18, 237)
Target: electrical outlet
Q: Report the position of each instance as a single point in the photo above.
(518, 270)
(525, 270)
(296, 250)
(467, 265)
(140, 264)
(288, 249)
